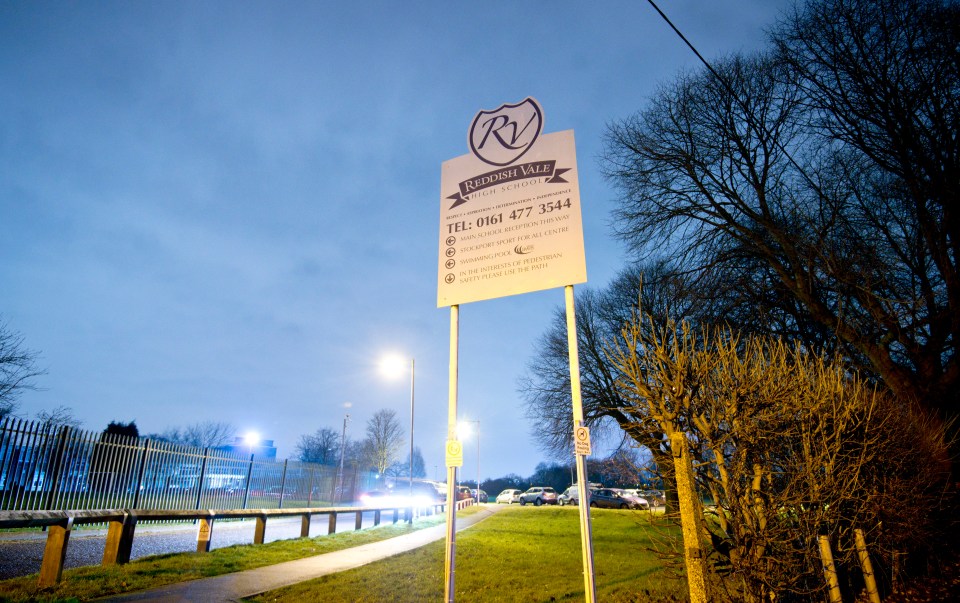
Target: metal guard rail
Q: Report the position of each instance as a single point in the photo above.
(122, 523)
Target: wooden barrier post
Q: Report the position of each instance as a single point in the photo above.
(112, 546)
(55, 551)
(260, 531)
(204, 534)
(122, 525)
(119, 540)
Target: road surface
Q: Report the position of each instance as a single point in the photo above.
(22, 552)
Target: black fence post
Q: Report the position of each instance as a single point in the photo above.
(283, 483)
(203, 476)
(56, 467)
(141, 471)
(246, 491)
(310, 487)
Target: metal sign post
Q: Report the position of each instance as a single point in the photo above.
(586, 532)
(454, 450)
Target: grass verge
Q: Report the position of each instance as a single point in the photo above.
(86, 583)
(519, 554)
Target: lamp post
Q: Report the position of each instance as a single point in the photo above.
(343, 446)
(392, 365)
(252, 439)
(477, 421)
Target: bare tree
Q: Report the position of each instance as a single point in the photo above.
(402, 468)
(61, 416)
(359, 453)
(815, 187)
(205, 434)
(790, 446)
(600, 317)
(323, 447)
(385, 439)
(17, 369)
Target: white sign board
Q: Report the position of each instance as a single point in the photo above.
(512, 228)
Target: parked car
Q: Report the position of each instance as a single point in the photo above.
(463, 493)
(612, 498)
(539, 495)
(571, 496)
(654, 497)
(482, 498)
(638, 502)
(509, 496)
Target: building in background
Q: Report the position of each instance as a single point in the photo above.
(241, 446)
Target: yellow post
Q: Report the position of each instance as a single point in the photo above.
(829, 569)
(451, 546)
(204, 534)
(869, 580)
(586, 533)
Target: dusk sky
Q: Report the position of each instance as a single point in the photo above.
(229, 211)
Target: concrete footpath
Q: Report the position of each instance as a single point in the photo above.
(236, 586)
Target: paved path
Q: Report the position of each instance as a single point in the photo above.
(236, 586)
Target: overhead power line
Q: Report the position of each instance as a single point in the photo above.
(746, 110)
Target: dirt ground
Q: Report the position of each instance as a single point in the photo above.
(945, 587)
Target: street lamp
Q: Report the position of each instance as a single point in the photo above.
(252, 438)
(466, 432)
(343, 446)
(391, 366)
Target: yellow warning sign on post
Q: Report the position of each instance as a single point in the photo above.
(581, 440)
(454, 453)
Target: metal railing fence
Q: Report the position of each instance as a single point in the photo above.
(57, 468)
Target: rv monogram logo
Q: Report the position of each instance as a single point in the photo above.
(502, 136)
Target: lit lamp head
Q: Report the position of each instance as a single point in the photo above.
(393, 365)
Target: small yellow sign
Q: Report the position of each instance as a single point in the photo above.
(581, 440)
(454, 453)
